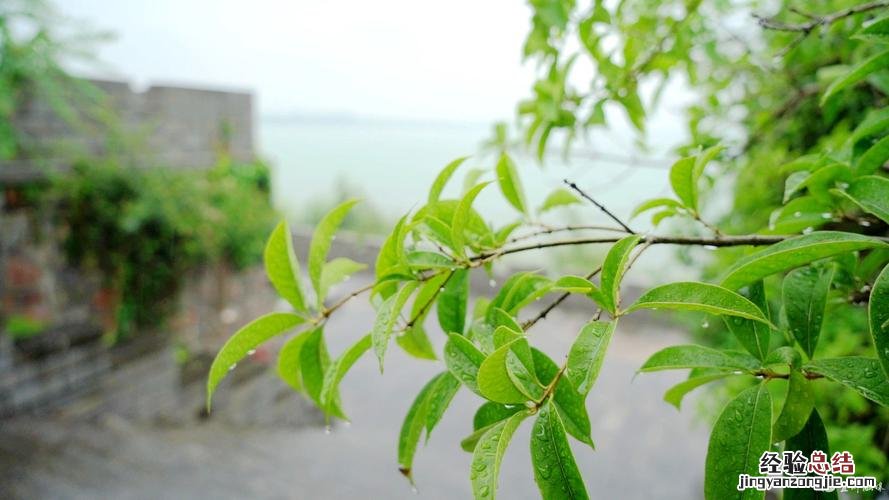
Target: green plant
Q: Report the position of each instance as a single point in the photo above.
(820, 246)
(144, 228)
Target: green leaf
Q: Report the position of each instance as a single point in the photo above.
(863, 375)
(494, 381)
(463, 360)
(655, 203)
(443, 177)
(245, 340)
(288, 367)
(793, 253)
(488, 454)
(805, 295)
(696, 356)
(429, 260)
(391, 259)
(871, 193)
(510, 184)
(683, 181)
(613, 270)
(452, 302)
(878, 315)
(877, 31)
(334, 375)
(555, 471)
(857, 74)
(491, 413)
(874, 158)
(587, 353)
(812, 437)
(335, 272)
(416, 342)
(461, 219)
(694, 296)
(818, 182)
(504, 335)
(675, 394)
(387, 315)
(424, 413)
(740, 436)
(798, 406)
(314, 362)
(518, 291)
(567, 400)
(282, 267)
(322, 238)
(753, 335)
(558, 198)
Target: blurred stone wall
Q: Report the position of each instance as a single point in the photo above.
(163, 125)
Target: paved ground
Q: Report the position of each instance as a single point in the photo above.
(139, 438)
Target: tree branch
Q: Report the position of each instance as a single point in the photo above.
(770, 23)
(599, 206)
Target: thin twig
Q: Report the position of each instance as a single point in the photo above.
(554, 304)
(551, 230)
(599, 206)
(326, 312)
(770, 23)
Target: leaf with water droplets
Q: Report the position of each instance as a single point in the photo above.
(613, 269)
(488, 453)
(693, 296)
(452, 302)
(695, 356)
(518, 291)
(463, 360)
(812, 437)
(387, 315)
(496, 379)
(677, 393)
(587, 353)
(805, 296)
(338, 370)
(335, 272)
(314, 361)
(797, 407)
(753, 335)
(555, 470)
(878, 315)
(245, 340)
(795, 252)
(424, 413)
(287, 367)
(740, 436)
(282, 266)
(569, 402)
(871, 193)
(485, 417)
(461, 218)
(322, 239)
(863, 375)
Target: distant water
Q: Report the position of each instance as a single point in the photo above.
(392, 163)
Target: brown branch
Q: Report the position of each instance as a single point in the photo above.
(551, 230)
(599, 206)
(326, 312)
(770, 23)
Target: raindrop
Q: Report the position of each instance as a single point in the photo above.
(797, 214)
(441, 289)
(864, 223)
(808, 230)
(232, 367)
(530, 404)
(251, 352)
(492, 283)
(826, 215)
(414, 490)
(327, 429)
(705, 324)
(347, 424)
(843, 185)
(710, 247)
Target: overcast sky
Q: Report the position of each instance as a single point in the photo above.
(456, 60)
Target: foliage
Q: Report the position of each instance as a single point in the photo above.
(144, 228)
(807, 237)
(32, 52)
